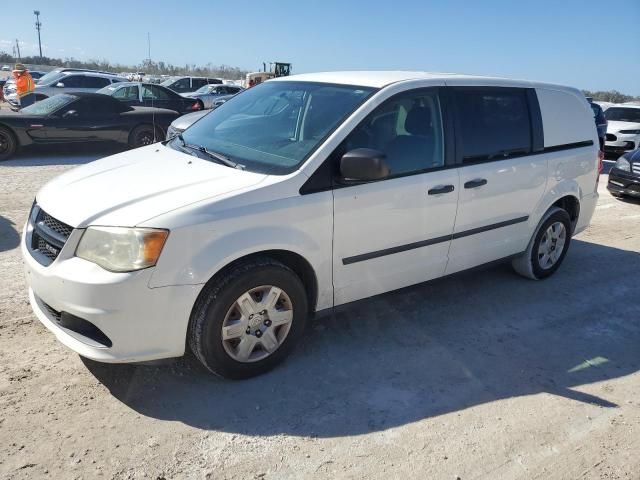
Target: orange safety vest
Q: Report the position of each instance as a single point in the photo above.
(24, 85)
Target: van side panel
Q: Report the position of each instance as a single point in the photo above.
(571, 140)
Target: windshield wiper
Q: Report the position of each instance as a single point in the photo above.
(213, 155)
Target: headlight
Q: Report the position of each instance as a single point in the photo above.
(623, 164)
(630, 132)
(172, 132)
(120, 249)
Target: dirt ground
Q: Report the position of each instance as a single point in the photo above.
(479, 375)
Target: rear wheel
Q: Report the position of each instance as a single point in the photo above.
(8, 144)
(547, 248)
(249, 321)
(144, 135)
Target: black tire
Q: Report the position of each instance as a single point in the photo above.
(143, 135)
(207, 317)
(8, 144)
(528, 264)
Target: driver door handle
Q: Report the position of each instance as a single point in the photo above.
(478, 182)
(440, 189)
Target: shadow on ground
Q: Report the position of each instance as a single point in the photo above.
(420, 352)
(9, 236)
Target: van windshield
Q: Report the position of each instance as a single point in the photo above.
(275, 126)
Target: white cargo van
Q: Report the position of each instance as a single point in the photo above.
(301, 194)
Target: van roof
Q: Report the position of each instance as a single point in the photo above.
(379, 79)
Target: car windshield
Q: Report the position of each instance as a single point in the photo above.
(275, 126)
(169, 81)
(205, 89)
(622, 114)
(49, 105)
(110, 89)
(51, 77)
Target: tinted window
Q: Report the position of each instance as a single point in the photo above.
(182, 85)
(96, 82)
(494, 123)
(214, 80)
(150, 92)
(73, 81)
(407, 129)
(622, 114)
(92, 107)
(198, 82)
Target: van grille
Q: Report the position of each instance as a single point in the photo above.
(48, 237)
(636, 167)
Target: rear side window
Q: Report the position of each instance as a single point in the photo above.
(73, 81)
(96, 82)
(494, 123)
(196, 83)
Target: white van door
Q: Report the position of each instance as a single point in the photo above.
(396, 232)
(502, 179)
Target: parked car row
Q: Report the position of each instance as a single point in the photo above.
(82, 117)
(151, 95)
(623, 131)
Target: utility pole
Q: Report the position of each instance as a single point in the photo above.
(149, 46)
(18, 49)
(38, 25)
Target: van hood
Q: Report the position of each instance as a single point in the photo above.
(615, 126)
(128, 188)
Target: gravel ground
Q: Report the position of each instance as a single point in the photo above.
(479, 375)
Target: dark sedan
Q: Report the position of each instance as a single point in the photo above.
(150, 95)
(624, 177)
(82, 117)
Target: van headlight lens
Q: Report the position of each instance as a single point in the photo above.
(120, 249)
(623, 164)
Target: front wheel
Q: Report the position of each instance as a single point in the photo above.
(547, 248)
(144, 135)
(8, 144)
(250, 320)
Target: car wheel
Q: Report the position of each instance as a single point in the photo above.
(143, 135)
(248, 321)
(547, 248)
(8, 144)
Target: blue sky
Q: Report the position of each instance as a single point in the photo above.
(579, 43)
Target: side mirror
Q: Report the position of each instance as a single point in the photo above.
(60, 85)
(70, 114)
(363, 165)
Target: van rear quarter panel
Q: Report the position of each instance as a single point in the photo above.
(567, 119)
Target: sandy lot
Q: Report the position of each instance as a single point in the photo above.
(480, 375)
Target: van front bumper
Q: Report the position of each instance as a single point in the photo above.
(105, 316)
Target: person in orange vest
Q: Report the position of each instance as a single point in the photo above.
(25, 87)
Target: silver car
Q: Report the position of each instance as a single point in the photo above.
(209, 94)
(56, 82)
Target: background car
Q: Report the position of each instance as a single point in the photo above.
(624, 177)
(6, 68)
(623, 131)
(180, 124)
(188, 84)
(210, 93)
(68, 81)
(150, 95)
(82, 117)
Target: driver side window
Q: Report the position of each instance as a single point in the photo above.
(407, 128)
